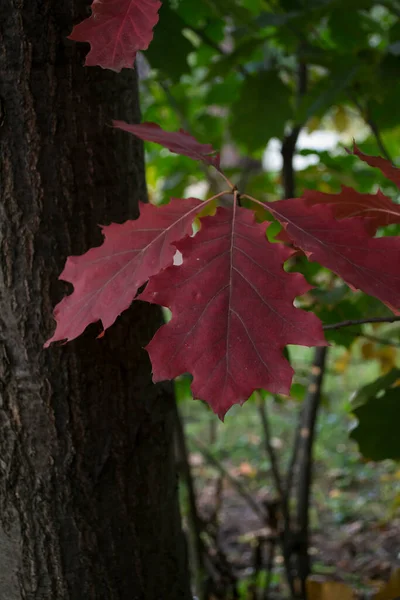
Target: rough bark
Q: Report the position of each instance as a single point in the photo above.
(88, 502)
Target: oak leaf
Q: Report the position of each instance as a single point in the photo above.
(377, 209)
(116, 30)
(385, 166)
(232, 312)
(179, 142)
(107, 278)
(345, 247)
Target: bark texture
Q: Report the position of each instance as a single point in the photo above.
(88, 502)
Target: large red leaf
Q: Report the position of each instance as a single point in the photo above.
(391, 172)
(232, 312)
(377, 209)
(369, 264)
(179, 142)
(116, 30)
(107, 278)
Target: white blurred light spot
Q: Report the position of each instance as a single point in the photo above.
(197, 190)
(317, 140)
(178, 258)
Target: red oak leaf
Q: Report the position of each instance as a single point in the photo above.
(179, 142)
(365, 263)
(116, 30)
(378, 209)
(389, 171)
(232, 312)
(107, 278)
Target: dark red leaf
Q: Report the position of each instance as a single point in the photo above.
(377, 209)
(107, 278)
(116, 30)
(179, 142)
(345, 247)
(389, 171)
(232, 312)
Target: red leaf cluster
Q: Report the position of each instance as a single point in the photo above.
(232, 302)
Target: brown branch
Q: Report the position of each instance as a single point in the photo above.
(374, 128)
(290, 141)
(269, 449)
(305, 464)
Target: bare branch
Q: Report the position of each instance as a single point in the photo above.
(352, 322)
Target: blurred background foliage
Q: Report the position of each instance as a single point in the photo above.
(251, 77)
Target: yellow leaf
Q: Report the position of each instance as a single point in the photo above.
(342, 363)
(325, 187)
(341, 119)
(328, 590)
(391, 590)
(335, 493)
(208, 211)
(387, 356)
(368, 350)
(247, 469)
(313, 124)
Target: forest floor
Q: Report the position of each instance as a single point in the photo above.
(355, 508)
(362, 553)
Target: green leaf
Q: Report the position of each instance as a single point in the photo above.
(372, 390)
(261, 111)
(169, 49)
(377, 432)
(326, 92)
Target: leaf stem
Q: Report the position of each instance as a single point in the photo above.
(231, 185)
(223, 193)
(252, 199)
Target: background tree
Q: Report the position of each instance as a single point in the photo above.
(87, 479)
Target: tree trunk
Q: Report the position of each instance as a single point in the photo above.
(88, 499)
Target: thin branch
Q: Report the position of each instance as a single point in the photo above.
(352, 322)
(269, 448)
(374, 128)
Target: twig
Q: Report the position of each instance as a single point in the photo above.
(374, 128)
(372, 338)
(234, 482)
(352, 322)
(269, 448)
